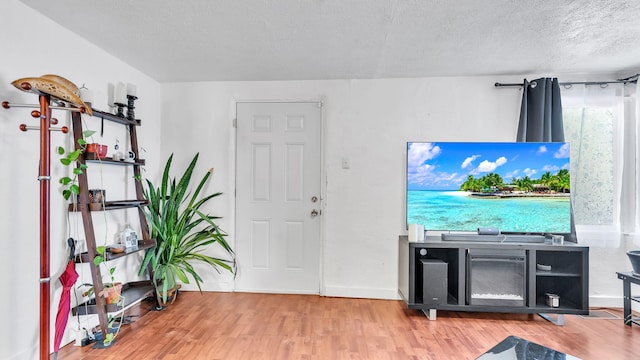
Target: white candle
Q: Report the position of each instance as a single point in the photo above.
(131, 89)
(111, 90)
(86, 95)
(121, 93)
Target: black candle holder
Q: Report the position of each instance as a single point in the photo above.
(130, 112)
(120, 107)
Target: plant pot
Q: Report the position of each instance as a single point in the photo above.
(98, 149)
(172, 294)
(112, 293)
(97, 196)
(634, 258)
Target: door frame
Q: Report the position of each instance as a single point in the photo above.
(323, 177)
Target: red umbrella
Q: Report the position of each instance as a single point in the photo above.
(68, 278)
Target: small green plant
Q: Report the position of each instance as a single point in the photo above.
(69, 158)
(97, 261)
(108, 339)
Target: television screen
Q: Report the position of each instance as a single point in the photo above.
(514, 187)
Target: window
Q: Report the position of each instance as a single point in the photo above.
(599, 123)
(590, 133)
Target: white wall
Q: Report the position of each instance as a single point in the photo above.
(366, 121)
(32, 45)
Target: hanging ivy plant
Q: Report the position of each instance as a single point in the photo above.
(70, 184)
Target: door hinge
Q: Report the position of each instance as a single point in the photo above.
(235, 123)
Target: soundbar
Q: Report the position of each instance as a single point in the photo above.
(503, 238)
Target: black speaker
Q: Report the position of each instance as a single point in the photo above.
(434, 282)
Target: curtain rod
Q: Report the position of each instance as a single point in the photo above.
(630, 79)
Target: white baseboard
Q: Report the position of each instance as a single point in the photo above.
(611, 302)
(218, 286)
(275, 291)
(365, 293)
(605, 301)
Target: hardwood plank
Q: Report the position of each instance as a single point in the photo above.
(274, 326)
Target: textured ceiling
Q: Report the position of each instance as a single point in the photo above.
(206, 40)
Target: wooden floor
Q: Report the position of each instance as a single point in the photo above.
(267, 326)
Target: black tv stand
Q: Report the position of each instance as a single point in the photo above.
(427, 267)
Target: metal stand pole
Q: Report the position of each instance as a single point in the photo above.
(45, 197)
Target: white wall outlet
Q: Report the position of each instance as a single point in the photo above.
(81, 246)
(80, 336)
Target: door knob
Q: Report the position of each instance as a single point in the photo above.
(314, 199)
(314, 213)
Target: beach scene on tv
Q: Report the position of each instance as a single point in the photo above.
(463, 186)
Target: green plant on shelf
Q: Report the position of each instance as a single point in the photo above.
(70, 184)
(98, 261)
(112, 292)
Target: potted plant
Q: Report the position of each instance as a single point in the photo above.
(111, 289)
(182, 231)
(112, 293)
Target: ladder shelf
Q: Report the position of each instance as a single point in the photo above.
(134, 291)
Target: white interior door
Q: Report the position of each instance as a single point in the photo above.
(278, 197)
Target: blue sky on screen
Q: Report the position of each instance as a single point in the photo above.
(446, 165)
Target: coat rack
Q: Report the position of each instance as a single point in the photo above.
(44, 177)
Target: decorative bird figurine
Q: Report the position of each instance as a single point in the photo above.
(55, 86)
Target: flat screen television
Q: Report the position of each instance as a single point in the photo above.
(519, 188)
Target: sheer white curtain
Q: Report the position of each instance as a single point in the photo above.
(601, 125)
(631, 222)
